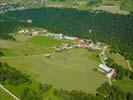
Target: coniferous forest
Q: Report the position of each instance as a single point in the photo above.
(114, 29)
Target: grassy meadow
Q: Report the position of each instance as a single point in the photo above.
(125, 84)
(72, 69)
(33, 46)
(5, 96)
(118, 59)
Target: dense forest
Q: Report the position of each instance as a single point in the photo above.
(110, 28)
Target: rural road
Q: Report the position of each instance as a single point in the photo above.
(2, 87)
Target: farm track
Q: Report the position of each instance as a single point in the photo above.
(28, 55)
(7, 91)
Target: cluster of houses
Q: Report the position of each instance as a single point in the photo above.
(4, 7)
(32, 32)
(77, 43)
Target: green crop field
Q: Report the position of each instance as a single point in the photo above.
(72, 69)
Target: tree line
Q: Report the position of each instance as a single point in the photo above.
(104, 92)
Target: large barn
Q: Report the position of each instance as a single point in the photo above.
(107, 70)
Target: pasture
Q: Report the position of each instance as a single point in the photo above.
(33, 46)
(72, 69)
(118, 59)
(125, 84)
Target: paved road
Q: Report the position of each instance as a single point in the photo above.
(7, 91)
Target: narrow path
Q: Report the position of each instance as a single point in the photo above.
(28, 55)
(129, 66)
(110, 81)
(101, 59)
(7, 91)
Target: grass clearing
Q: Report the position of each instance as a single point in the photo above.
(111, 9)
(125, 84)
(72, 69)
(131, 63)
(5, 96)
(47, 41)
(118, 59)
(33, 46)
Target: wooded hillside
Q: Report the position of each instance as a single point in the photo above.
(114, 29)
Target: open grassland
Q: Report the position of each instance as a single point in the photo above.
(118, 59)
(125, 84)
(111, 9)
(5, 96)
(33, 46)
(131, 63)
(112, 6)
(72, 69)
(47, 41)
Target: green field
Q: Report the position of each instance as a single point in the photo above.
(125, 84)
(118, 59)
(131, 63)
(47, 41)
(72, 69)
(5, 96)
(33, 46)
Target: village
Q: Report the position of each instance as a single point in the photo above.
(76, 43)
(5, 7)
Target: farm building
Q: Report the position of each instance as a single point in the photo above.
(105, 69)
(70, 38)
